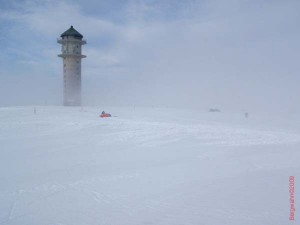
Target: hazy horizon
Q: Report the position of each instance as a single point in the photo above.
(238, 55)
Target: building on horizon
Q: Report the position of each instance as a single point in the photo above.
(71, 41)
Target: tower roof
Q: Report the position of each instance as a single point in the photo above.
(72, 32)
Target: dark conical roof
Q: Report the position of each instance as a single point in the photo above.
(71, 32)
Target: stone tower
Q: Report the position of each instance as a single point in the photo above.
(71, 41)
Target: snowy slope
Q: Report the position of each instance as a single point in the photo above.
(67, 166)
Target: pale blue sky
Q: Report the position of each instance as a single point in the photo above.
(238, 55)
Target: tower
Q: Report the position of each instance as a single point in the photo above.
(71, 41)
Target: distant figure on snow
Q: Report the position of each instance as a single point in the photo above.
(104, 114)
(246, 115)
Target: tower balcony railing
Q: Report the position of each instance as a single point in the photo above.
(71, 55)
(61, 40)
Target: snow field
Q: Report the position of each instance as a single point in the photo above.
(67, 166)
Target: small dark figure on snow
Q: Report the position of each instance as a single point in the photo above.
(246, 115)
(104, 114)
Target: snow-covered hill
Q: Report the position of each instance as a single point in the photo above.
(67, 166)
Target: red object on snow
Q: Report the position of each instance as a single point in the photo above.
(105, 115)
